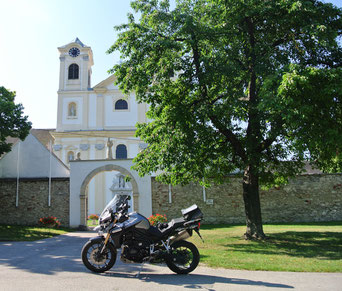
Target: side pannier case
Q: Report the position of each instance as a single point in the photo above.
(192, 213)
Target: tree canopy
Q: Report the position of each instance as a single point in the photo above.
(252, 85)
(12, 121)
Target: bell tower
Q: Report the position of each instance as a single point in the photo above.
(76, 60)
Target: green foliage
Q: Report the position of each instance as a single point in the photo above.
(12, 121)
(28, 233)
(232, 84)
(252, 85)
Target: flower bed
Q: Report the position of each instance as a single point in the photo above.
(49, 221)
(157, 218)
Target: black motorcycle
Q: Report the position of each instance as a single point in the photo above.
(140, 242)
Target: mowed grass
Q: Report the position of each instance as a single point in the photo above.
(311, 247)
(28, 233)
(92, 223)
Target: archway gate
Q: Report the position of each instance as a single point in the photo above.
(82, 171)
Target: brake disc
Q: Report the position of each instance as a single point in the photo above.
(96, 258)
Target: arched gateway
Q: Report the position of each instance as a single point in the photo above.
(82, 171)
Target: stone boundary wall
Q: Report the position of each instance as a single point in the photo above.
(33, 200)
(306, 198)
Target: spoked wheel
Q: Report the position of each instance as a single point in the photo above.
(94, 260)
(183, 257)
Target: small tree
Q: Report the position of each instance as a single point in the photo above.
(235, 84)
(12, 121)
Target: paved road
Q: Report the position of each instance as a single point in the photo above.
(55, 264)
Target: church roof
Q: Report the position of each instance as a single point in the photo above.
(110, 80)
(79, 42)
(43, 136)
(76, 40)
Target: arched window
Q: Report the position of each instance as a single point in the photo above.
(72, 109)
(71, 156)
(73, 72)
(121, 152)
(121, 104)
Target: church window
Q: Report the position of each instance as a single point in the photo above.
(72, 109)
(73, 72)
(121, 152)
(71, 156)
(121, 105)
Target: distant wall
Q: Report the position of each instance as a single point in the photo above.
(33, 200)
(306, 198)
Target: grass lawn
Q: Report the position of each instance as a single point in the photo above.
(28, 233)
(311, 247)
(92, 223)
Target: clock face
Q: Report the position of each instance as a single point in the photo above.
(74, 52)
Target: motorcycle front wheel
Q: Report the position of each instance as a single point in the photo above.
(94, 260)
(183, 257)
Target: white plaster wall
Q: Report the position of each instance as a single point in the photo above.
(34, 161)
(91, 197)
(133, 150)
(79, 103)
(80, 170)
(112, 87)
(92, 111)
(70, 140)
(108, 183)
(124, 118)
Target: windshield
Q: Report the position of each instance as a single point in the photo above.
(114, 204)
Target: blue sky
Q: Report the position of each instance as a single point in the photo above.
(31, 31)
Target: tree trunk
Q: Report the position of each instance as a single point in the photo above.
(252, 205)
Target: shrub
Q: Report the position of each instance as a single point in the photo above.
(49, 221)
(157, 218)
(93, 217)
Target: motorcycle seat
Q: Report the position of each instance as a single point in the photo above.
(176, 222)
(173, 224)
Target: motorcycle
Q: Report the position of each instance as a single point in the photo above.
(141, 242)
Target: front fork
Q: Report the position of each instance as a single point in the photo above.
(107, 237)
(105, 242)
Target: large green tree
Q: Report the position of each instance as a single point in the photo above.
(253, 85)
(12, 121)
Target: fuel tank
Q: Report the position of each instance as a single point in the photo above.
(137, 220)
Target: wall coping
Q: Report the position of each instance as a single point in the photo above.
(35, 179)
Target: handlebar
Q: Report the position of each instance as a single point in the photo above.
(124, 206)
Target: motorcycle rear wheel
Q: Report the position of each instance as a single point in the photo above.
(183, 257)
(94, 260)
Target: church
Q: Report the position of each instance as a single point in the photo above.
(94, 123)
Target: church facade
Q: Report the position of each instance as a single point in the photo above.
(94, 123)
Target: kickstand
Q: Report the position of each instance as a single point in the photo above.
(140, 269)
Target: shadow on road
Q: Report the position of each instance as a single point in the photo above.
(192, 281)
(63, 254)
(47, 256)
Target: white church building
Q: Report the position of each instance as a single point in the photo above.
(94, 123)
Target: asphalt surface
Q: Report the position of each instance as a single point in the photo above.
(55, 264)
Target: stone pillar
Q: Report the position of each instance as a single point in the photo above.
(83, 202)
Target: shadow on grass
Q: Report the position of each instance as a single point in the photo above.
(26, 233)
(218, 226)
(321, 245)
